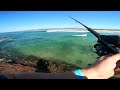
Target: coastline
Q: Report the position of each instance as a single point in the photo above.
(110, 31)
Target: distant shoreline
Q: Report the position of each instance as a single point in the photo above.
(76, 29)
(111, 31)
(79, 29)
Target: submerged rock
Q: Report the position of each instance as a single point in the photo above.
(4, 37)
(1, 60)
(9, 61)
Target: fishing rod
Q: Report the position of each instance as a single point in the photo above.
(106, 44)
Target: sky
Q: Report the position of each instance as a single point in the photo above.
(27, 20)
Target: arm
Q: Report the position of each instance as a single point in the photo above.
(102, 69)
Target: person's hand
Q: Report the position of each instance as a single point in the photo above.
(103, 68)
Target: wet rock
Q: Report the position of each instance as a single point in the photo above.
(1, 60)
(9, 61)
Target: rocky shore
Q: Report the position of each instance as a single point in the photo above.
(9, 66)
(51, 66)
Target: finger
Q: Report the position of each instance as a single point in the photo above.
(103, 57)
(114, 58)
(117, 65)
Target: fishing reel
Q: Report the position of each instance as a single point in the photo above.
(112, 40)
(100, 50)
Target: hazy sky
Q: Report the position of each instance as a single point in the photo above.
(26, 20)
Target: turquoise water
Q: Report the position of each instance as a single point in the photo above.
(56, 45)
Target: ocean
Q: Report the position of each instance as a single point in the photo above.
(71, 47)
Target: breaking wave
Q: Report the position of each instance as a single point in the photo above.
(82, 35)
(65, 31)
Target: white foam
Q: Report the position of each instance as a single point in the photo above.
(82, 35)
(65, 31)
(1, 40)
